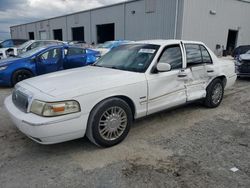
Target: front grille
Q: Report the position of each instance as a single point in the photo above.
(20, 100)
(245, 66)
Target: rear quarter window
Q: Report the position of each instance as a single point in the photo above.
(206, 58)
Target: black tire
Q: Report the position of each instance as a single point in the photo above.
(93, 129)
(20, 75)
(211, 102)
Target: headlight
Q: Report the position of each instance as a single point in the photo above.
(52, 109)
(3, 68)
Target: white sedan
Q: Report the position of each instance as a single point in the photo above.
(130, 82)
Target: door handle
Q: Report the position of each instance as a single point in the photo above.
(182, 74)
(210, 71)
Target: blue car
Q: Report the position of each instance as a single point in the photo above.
(44, 60)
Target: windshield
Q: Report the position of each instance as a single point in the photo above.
(108, 44)
(31, 52)
(131, 57)
(248, 52)
(24, 45)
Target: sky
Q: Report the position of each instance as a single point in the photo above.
(15, 12)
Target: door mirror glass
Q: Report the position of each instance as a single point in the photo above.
(65, 52)
(33, 59)
(163, 67)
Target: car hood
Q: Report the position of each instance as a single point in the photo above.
(8, 61)
(245, 57)
(82, 81)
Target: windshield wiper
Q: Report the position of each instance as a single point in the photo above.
(113, 67)
(95, 65)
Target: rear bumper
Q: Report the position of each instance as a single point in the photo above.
(47, 130)
(231, 81)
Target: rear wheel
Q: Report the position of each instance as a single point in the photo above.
(215, 92)
(109, 122)
(20, 75)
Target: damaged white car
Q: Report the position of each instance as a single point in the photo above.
(130, 82)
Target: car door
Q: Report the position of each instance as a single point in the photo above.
(166, 89)
(49, 61)
(196, 71)
(75, 57)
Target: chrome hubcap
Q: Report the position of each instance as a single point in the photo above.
(112, 123)
(217, 93)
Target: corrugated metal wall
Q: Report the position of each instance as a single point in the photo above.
(79, 20)
(212, 29)
(113, 14)
(43, 26)
(135, 20)
(140, 24)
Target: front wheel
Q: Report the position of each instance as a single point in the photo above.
(109, 122)
(20, 75)
(215, 92)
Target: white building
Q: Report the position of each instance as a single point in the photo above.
(223, 22)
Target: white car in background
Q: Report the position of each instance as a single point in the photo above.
(9, 47)
(31, 44)
(130, 82)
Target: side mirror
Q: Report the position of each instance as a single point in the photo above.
(65, 51)
(163, 67)
(33, 59)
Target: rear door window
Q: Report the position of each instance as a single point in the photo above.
(51, 54)
(194, 56)
(75, 51)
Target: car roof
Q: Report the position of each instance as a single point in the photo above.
(116, 41)
(15, 40)
(46, 41)
(166, 42)
(62, 45)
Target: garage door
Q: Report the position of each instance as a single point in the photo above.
(43, 35)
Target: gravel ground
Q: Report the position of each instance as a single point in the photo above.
(190, 146)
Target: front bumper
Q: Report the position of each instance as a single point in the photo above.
(241, 72)
(47, 130)
(4, 79)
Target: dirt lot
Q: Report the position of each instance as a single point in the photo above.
(187, 147)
